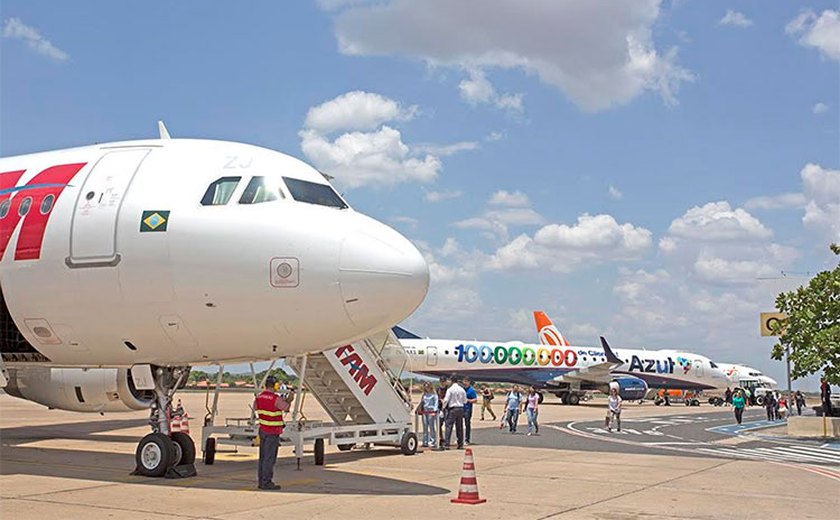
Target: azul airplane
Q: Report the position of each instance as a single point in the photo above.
(561, 368)
(122, 264)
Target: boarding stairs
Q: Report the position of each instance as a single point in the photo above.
(358, 385)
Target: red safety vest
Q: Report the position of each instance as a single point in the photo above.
(269, 416)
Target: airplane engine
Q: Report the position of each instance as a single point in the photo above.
(630, 388)
(79, 389)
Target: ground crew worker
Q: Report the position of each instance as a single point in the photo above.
(269, 408)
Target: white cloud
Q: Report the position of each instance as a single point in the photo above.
(505, 209)
(497, 222)
(821, 188)
(782, 201)
(718, 221)
(356, 110)
(477, 89)
(560, 247)
(735, 19)
(437, 196)
(510, 199)
(614, 193)
(375, 158)
(821, 32)
(444, 150)
(494, 136)
(820, 108)
(15, 29)
(719, 270)
(358, 158)
(599, 54)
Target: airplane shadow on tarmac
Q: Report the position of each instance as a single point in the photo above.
(17, 457)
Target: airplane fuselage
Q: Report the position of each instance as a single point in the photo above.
(176, 252)
(542, 365)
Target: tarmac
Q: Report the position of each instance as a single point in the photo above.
(66, 465)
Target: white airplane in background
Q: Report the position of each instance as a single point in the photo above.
(122, 264)
(560, 368)
(707, 375)
(748, 377)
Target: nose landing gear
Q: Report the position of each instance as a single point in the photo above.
(164, 452)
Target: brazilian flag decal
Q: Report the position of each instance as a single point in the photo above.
(153, 221)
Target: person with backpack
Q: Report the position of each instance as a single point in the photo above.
(486, 400)
(513, 403)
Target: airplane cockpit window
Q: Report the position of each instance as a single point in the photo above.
(713, 364)
(258, 190)
(314, 193)
(220, 192)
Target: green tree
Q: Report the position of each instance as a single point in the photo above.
(812, 327)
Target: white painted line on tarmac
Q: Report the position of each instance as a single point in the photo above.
(805, 455)
(821, 452)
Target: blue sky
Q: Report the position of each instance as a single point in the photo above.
(635, 169)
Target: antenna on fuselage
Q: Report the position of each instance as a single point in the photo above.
(164, 133)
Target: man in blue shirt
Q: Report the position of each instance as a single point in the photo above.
(472, 398)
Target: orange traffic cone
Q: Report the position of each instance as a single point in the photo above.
(175, 424)
(185, 423)
(468, 490)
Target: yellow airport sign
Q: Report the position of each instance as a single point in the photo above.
(769, 320)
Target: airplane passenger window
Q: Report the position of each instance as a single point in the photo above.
(4, 208)
(220, 192)
(47, 203)
(258, 190)
(24, 206)
(314, 193)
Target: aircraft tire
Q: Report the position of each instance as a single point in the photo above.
(564, 398)
(185, 447)
(574, 399)
(319, 452)
(210, 451)
(155, 454)
(408, 444)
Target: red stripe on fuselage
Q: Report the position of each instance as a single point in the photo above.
(34, 225)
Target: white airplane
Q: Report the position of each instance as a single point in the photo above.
(748, 377)
(561, 368)
(122, 264)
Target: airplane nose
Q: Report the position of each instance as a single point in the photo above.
(383, 277)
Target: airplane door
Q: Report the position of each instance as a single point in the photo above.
(698, 368)
(431, 356)
(93, 234)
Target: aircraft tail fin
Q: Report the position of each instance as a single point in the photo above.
(401, 333)
(608, 352)
(549, 335)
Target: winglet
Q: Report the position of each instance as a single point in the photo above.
(164, 133)
(611, 357)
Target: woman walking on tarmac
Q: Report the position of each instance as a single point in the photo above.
(738, 403)
(486, 398)
(613, 409)
(532, 411)
(428, 409)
